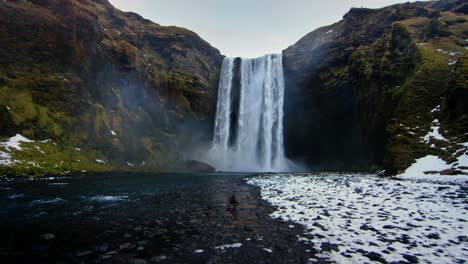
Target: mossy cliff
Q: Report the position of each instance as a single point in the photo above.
(368, 89)
(88, 76)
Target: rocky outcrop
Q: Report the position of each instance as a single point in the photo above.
(364, 92)
(195, 166)
(85, 74)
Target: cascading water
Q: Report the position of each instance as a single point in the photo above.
(248, 133)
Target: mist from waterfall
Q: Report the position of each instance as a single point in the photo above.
(248, 130)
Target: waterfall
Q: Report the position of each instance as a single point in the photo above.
(248, 131)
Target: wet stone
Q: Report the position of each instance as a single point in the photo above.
(137, 261)
(83, 253)
(46, 237)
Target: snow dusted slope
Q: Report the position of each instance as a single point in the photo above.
(430, 167)
(364, 218)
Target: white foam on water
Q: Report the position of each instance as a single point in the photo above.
(108, 198)
(50, 201)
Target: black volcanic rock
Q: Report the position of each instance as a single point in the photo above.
(195, 166)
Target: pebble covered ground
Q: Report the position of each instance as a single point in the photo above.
(365, 218)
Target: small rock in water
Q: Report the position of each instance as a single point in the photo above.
(159, 258)
(104, 247)
(137, 261)
(83, 253)
(47, 237)
(125, 246)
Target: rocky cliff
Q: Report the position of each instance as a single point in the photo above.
(95, 88)
(380, 88)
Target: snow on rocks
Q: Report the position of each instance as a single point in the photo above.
(434, 133)
(436, 109)
(425, 164)
(14, 142)
(433, 165)
(363, 218)
(5, 159)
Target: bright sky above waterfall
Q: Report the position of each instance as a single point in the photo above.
(247, 28)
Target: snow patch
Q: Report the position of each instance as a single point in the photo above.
(14, 142)
(435, 165)
(235, 245)
(39, 149)
(434, 133)
(100, 161)
(425, 164)
(5, 159)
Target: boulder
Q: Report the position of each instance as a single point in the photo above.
(195, 166)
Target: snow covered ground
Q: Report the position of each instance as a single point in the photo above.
(365, 218)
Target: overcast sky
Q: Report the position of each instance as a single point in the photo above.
(247, 28)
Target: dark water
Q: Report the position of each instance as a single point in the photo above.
(117, 218)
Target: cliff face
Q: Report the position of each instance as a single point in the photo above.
(369, 89)
(102, 84)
